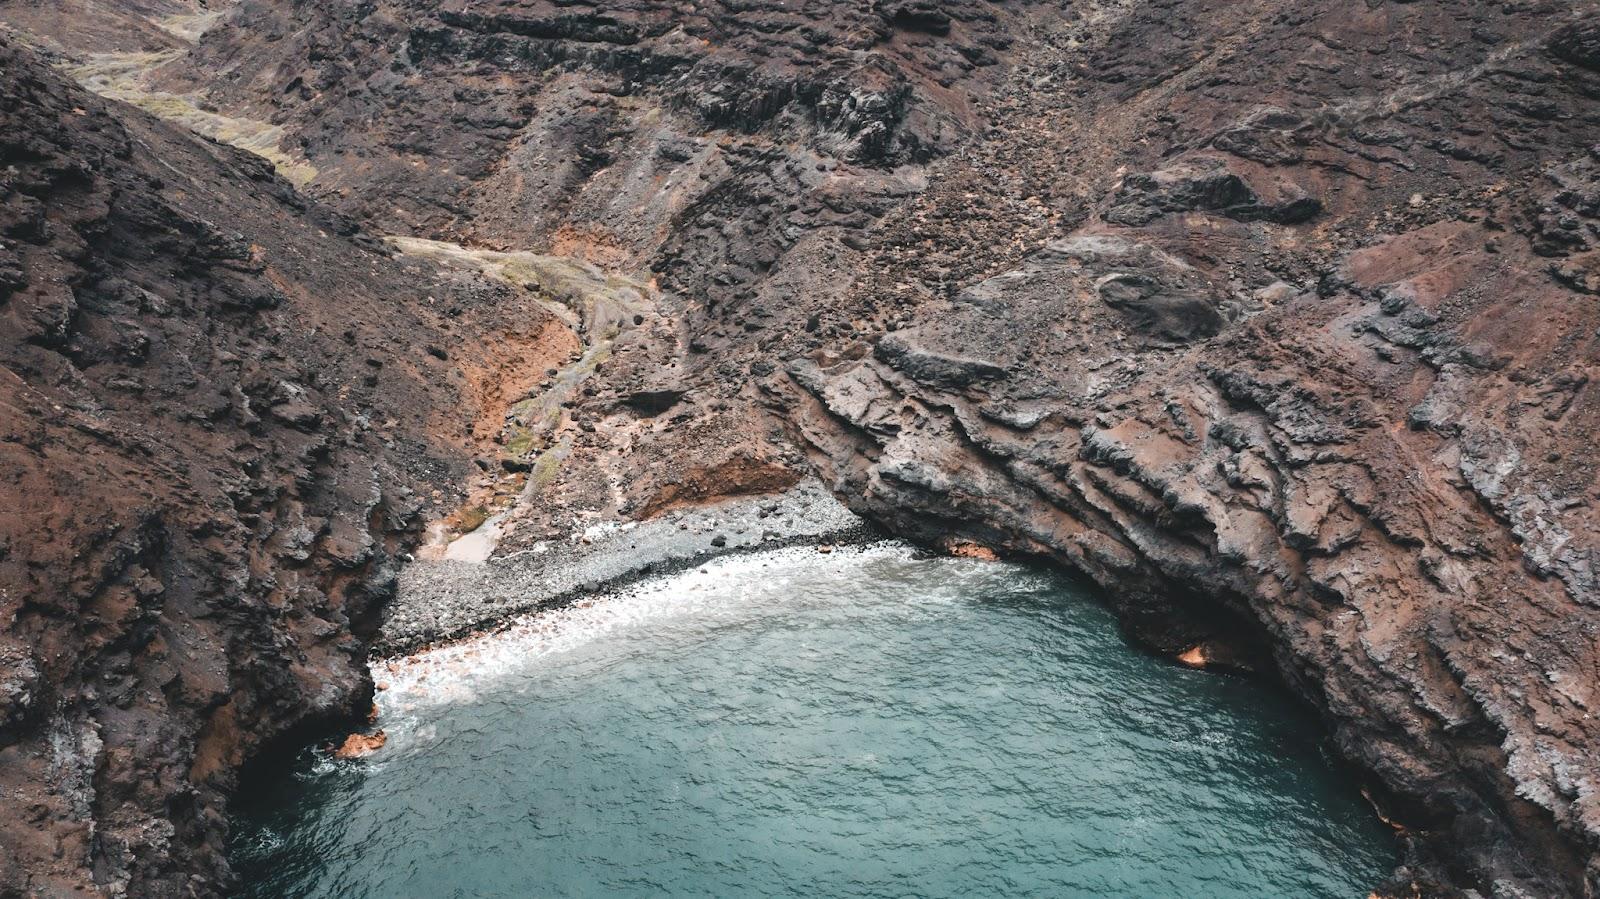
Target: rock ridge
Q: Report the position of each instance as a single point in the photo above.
(1275, 319)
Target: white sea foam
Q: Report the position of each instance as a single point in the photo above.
(729, 588)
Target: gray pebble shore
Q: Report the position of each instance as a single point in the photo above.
(447, 599)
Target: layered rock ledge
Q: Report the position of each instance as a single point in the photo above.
(1278, 319)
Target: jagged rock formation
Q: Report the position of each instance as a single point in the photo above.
(1358, 445)
(735, 152)
(214, 418)
(1279, 320)
(523, 121)
(1309, 383)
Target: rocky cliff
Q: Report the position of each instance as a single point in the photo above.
(217, 411)
(1278, 320)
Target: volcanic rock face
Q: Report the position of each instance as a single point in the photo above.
(429, 117)
(211, 434)
(1360, 443)
(1279, 320)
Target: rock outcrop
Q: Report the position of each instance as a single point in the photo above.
(214, 429)
(1279, 320)
(1348, 443)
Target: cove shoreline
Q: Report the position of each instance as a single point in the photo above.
(426, 691)
(608, 559)
(444, 601)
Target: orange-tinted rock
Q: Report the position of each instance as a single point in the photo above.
(966, 549)
(358, 746)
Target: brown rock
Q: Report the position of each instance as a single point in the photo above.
(1378, 479)
(358, 746)
(966, 549)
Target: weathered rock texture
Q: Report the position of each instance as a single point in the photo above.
(1278, 319)
(213, 414)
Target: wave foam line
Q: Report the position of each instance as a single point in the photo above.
(727, 588)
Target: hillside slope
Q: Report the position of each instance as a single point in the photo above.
(1277, 319)
(216, 412)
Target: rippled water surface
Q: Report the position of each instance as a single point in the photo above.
(865, 723)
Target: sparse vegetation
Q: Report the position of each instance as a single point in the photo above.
(121, 76)
(549, 464)
(586, 297)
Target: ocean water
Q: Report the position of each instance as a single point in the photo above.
(864, 723)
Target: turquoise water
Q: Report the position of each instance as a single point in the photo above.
(866, 723)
